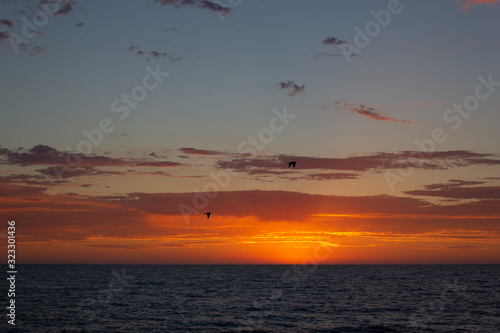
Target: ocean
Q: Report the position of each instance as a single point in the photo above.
(247, 298)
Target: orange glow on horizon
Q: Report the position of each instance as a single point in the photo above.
(247, 240)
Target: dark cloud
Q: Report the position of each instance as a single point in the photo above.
(346, 48)
(177, 3)
(262, 173)
(153, 173)
(40, 154)
(154, 54)
(83, 170)
(65, 8)
(27, 179)
(202, 4)
(374, 162)
(290, 85)
(67, 164)
(333, 41)
(7, 22)
(453, 183)
(155, 164)
(367, 112)
(459, 189)
(157, 54)
(273, 205)
(215, 7)
(194, 151)
(46, 155)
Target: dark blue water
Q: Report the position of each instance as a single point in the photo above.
(100, 298)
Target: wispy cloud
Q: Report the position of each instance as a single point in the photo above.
(334, 41)
(332, 176)
(294, 89)
(467, 3)
(367, 111)
(153, 54)
(46, 155)
(344, 45)
(202, 4)
(459, 189)
(28, 179)
(194, 151)
(331, 55)
(80, 171)
(439, 160)
(463, 247)
(35, 50)
(4, 35)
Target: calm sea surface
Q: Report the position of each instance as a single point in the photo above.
(108, 298)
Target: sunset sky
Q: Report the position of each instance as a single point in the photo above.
(123, 122)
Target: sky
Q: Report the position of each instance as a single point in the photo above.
(124, 122)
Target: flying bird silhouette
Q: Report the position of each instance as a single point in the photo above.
(292, 163)
(208, 214)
